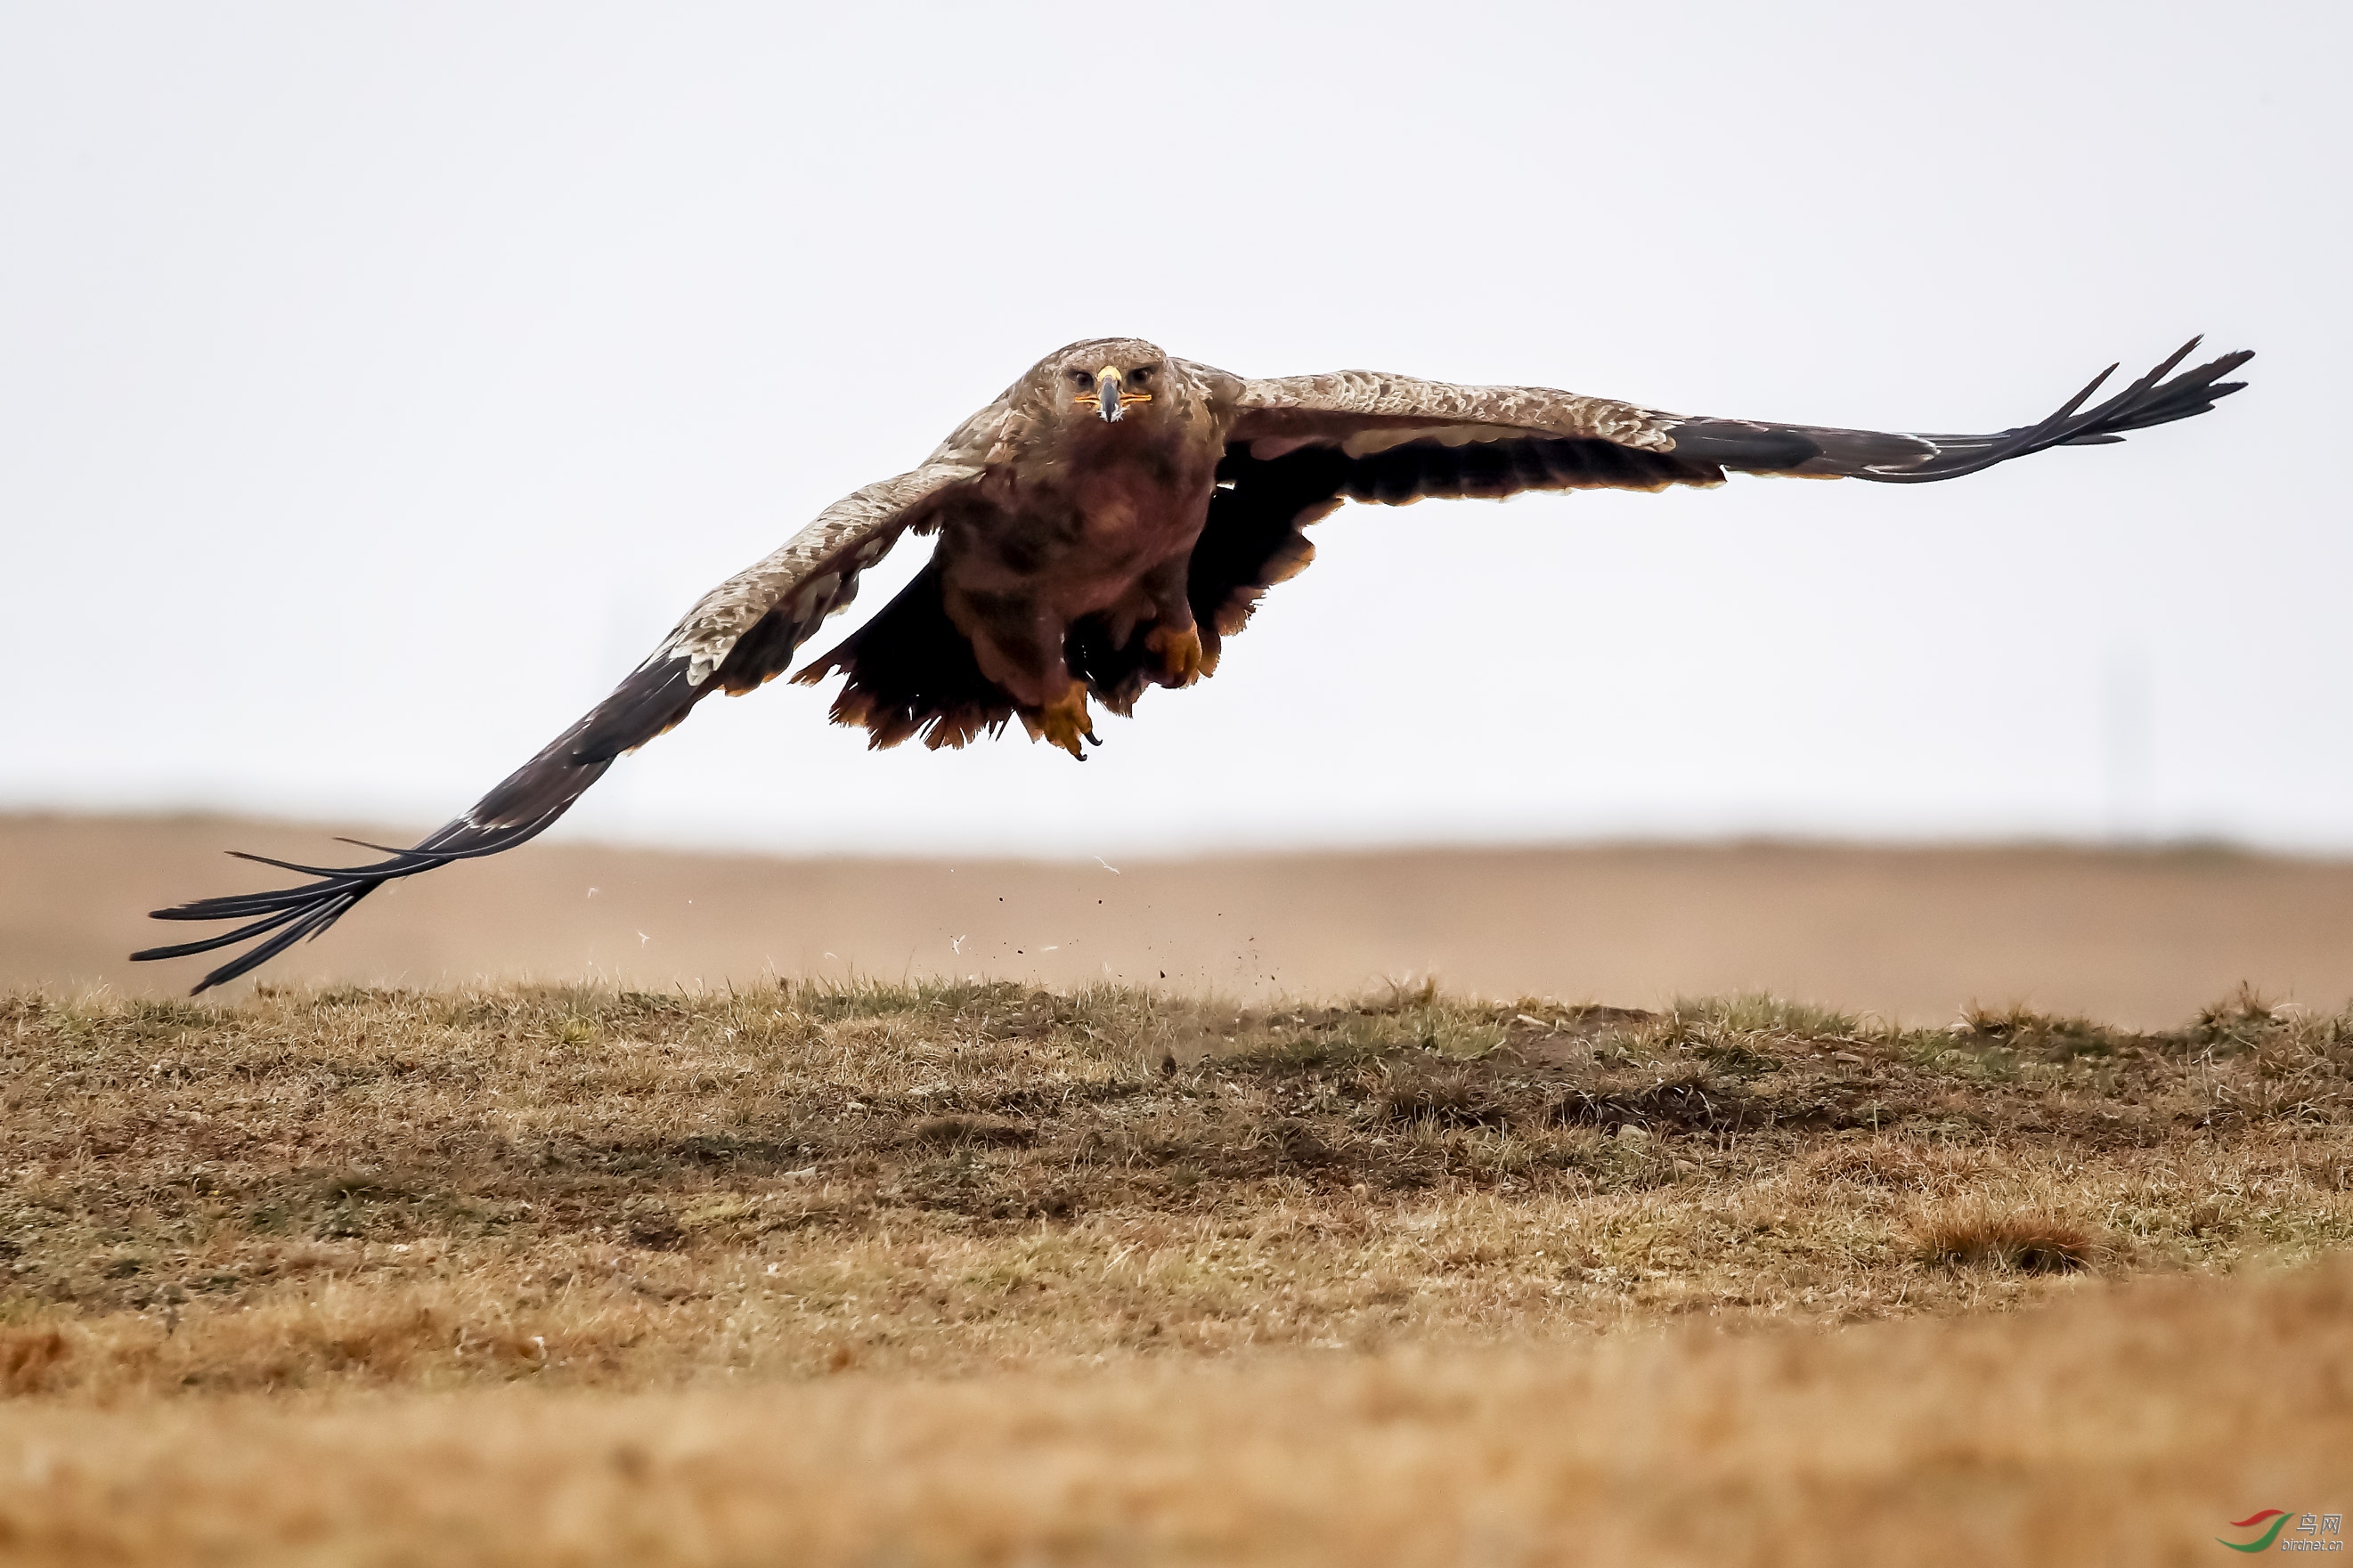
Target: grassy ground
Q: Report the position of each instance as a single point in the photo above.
(2123, 1427)
(630, 1189)
(370, 1238)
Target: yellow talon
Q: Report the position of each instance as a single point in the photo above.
(1065, 721)
(1179, 652)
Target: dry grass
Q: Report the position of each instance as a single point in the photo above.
(2123, 1427)
(984, 1274)
(623, 1190)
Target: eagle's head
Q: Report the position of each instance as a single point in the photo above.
(1109, 379)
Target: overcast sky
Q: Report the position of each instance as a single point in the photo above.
(378, 383)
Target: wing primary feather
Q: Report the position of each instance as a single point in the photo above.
(220, 939)
(295, 913)
(312, 924)
(736, 637)
(402, 863)
(1901, 459)
(302, 870)
(2023, 441)
(2149, 400)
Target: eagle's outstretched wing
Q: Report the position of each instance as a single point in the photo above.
(1295, 449)
(1300, 446)
(740, 635)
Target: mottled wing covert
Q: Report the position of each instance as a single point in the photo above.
(1300, 446)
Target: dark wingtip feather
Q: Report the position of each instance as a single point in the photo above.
(2149, 401)
(648, 700)
(285, 916)
(327, 912)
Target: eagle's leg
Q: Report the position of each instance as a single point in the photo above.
(1017, 640)
(1178, 649)
(1174, 641)
(1057, 698)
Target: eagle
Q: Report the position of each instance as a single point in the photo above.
(1102, 529)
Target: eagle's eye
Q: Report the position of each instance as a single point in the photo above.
(1081, 378)
(1139, 373)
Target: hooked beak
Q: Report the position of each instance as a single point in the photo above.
(1107, 399)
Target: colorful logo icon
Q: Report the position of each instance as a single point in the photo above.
(2262, 1543)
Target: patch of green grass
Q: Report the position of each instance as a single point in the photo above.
(1757, 1013)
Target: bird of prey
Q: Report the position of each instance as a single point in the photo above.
(1101, 528)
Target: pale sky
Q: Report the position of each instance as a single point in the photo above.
(378, 382)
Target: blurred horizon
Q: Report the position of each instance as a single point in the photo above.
(1437, 843)
(2143, 937)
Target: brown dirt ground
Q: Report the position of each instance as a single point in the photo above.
(2140, 938)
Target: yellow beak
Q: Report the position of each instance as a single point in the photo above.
(1107, 399)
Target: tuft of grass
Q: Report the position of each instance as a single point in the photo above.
(1757, 1013)
(2016, 1241)
(2241, 1019)
(2021, 1028)
(971, 1131)
(1446, 1094)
